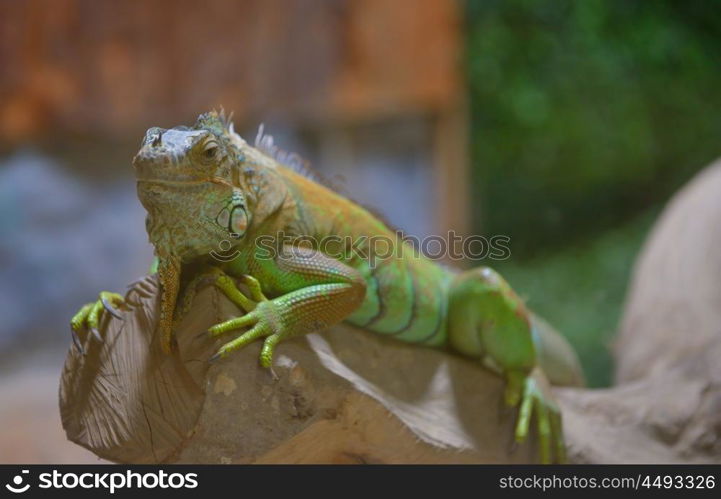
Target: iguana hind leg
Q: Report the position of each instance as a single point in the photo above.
(487, 320)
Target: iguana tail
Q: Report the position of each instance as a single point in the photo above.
(555, 356)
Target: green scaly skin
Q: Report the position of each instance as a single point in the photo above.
(204, 185)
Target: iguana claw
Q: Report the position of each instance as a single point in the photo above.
(96, 334)
(109, 307)
(76, 341)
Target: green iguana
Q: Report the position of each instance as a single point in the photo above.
(204, 185)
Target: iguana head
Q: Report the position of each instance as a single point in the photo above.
(202, 185)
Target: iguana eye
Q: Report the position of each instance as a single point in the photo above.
(210, 149)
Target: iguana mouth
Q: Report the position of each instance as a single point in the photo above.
(168, 181)
(183, 182)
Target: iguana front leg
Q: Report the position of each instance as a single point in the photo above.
(89, 315)
(319, 292)
(169, 279)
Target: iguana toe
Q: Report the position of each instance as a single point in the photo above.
(537, 399)
(89, 316)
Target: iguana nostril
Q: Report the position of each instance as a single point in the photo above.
(154, 136)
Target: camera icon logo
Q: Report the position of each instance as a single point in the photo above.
(17, 487)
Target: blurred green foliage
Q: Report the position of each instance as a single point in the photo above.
(585, 113)
(586, 117)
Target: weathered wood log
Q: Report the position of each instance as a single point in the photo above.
(673, 309)
(341, 396)
(350, 396)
